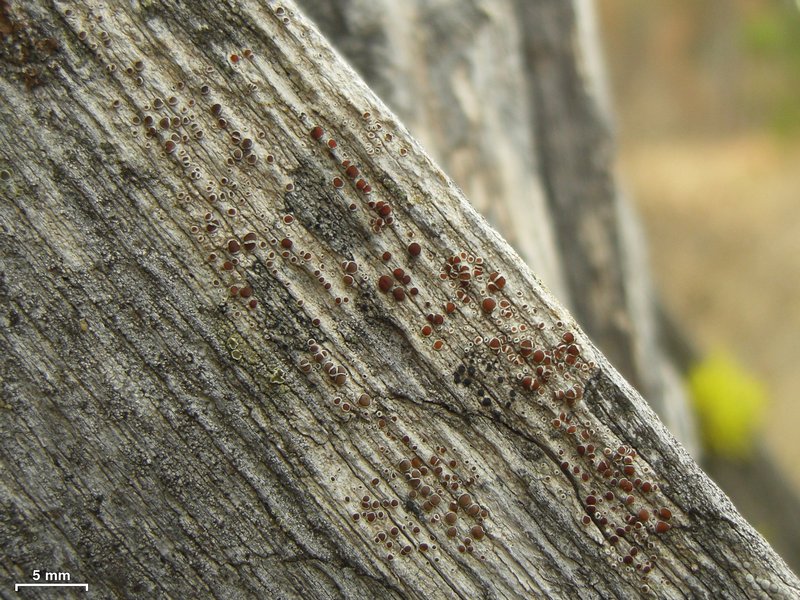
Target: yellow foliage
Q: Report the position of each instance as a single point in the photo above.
(730, 404)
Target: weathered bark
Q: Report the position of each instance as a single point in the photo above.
(509, 98)
(160, 437)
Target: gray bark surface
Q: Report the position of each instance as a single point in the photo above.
(509, 97)
(161, 437)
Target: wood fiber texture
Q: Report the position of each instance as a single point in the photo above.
(256, 343)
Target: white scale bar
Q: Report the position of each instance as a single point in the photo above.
(85, 586)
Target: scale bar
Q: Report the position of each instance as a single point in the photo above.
(85, 586)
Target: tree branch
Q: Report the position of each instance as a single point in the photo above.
(216, 380)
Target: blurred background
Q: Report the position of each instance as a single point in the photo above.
(707, 103)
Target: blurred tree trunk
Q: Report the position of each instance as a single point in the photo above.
(256, 343)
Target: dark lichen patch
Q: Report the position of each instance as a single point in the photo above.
(317, 210)
(26, 51)
(257, 281)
